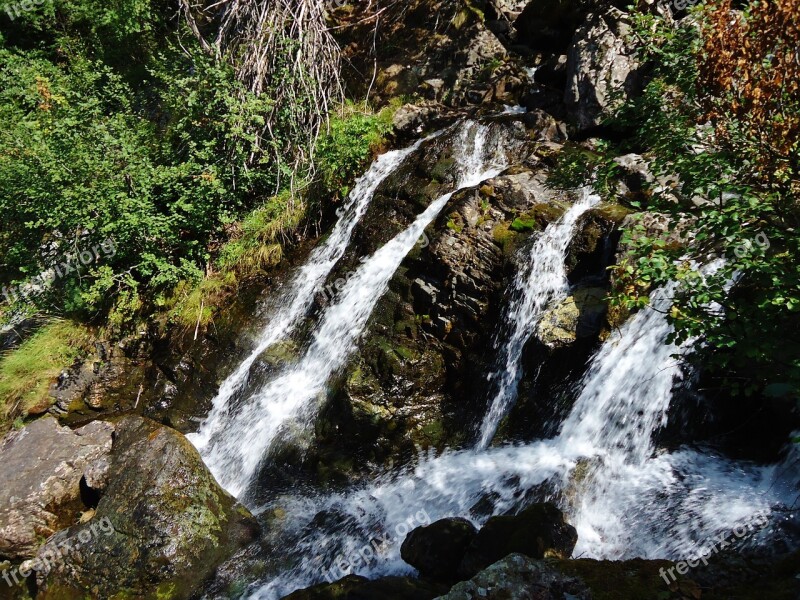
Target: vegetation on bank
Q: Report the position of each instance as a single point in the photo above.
(720, 113)
(27, 373)
(118, 126)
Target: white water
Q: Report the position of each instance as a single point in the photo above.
(630, 502)
(294, 395)
(540, 282)
(296, 300)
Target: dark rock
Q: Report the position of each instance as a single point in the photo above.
(547, 128)
(517, 577)
(354, 587)
(437, 550)
(159, 530)
(549, 24)
(41, 471)
(553, 72)
(539, 531)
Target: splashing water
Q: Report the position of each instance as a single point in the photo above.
(235, 454)
(297, 299)
(630, 502)
(540, 282)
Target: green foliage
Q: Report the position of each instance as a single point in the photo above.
(753, 299)
(255, 243)
(577, 167)
(520, 225)
(115, 128)
(351, 140)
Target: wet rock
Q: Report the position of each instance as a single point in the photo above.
(354, 587)
(41, 471)
(437, 550)
(547, 128)
(413, 119)
(580, 315)
(602, 70)
(160, 529)
(517, 577)
(539, 531)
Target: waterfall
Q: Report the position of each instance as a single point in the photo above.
(296, 300)
(294, 394)
(539, 283)
(631, 502)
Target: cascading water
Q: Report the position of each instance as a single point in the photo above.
(297, 299)
(235, 453)
(632, 502)
(541, 281)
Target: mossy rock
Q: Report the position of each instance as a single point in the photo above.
(612, 212)
(169, 519)
(580, 315)
(443, 169)
(279, 354)
(522, 225)
(505, 237)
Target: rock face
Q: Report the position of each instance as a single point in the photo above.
(170, 524)
(539, 531)
(441, 50)
(601, 68)
(517, 577)
(41, 470)
(437, 550)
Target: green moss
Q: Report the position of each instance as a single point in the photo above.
(27, 372)
(519, 225)
(405, 353)
(504, 237)
(195, 304)
(255, 242)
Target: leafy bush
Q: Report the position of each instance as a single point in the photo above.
(736, 194)
(111, 131)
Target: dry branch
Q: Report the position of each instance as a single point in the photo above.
(281, 48)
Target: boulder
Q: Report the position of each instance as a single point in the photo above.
(160, 529)
(437, 549)
(41, 471)
(602, 70)
(579, 315)
(517, 577)
(539, 531)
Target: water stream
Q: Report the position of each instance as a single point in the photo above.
(626, 496)
(234, 454)
(540, 282)
(295, 301)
